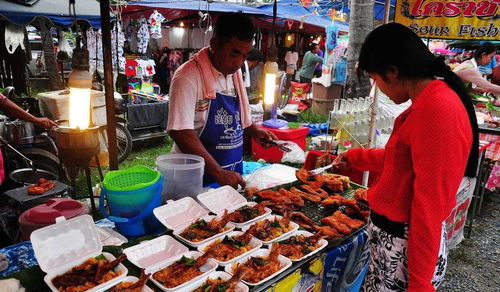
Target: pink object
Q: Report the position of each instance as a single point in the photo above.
(273, 154)
(46, 214)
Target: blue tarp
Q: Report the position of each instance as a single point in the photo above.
(293, 10)
(196, 5)
(57, 11)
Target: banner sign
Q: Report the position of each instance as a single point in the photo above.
(451, 19)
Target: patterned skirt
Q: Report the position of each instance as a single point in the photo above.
(388, 265)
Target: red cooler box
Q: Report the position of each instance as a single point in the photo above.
(273, 154)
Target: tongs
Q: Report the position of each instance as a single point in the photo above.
(279, 145)
(320, 170)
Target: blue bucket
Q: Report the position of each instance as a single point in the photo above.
(132, 211)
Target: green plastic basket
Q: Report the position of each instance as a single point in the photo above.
(130, 179)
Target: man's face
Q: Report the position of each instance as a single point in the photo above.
(316, 49)
(229, 56)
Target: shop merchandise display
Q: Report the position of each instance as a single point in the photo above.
(142, 36)
(155, 20)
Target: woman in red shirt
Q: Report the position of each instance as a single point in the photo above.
(433, 144)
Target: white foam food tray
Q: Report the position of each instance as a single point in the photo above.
(206, 269)
(68, 243)
(177, 232)
(151, 253)
(180, 213)
(322, 244)
(240, 287)
(256, 243)
(133, 279)
(226, 198)
(106, 285)
(294, 225)
(285, 263)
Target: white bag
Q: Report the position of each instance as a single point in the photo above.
(297, 155)
(64, 52)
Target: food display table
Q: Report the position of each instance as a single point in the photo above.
(340, 266)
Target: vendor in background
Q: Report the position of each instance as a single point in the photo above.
(209, 106)
(12, 110)
(433, 145)
(319, 66)
(311, 58)
(256, 68)
(468, 70)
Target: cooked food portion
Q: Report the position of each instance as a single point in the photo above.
(336, 183)
(267, 229)
(351, 222)
(317, 192)
(258, 268)
(338, 225)
(41, 187)
(132, 287)
(314, 181)
(296, 199)
(298, 246)
(338, 200)
(247, 213)
(180, 271)
(91, 273)
(230, 247)
(361, 194)
(329, 232)
(219, 285)
(201, 230)
(273, 196)
(303, 221)
(306, 196)
(251, 191)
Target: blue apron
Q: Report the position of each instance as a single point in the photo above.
(222, 134)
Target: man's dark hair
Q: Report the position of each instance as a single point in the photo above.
(313, 46)
(255, 55)
(486, 49)
(234, 24)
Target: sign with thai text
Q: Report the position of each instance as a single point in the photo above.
(451, 19)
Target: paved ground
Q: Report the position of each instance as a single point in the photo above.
(475, 264)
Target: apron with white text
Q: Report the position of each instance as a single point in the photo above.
(222, 135)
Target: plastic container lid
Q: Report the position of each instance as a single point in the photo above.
(130, 179)
(177, 214)
(63, 245)
(180, 161)
(53, 208)
(154, 252)
(220, 199)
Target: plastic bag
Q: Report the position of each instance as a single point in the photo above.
(65, 52)
(297, 155)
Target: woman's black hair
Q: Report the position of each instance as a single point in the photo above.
(379, 54)
(485, 48)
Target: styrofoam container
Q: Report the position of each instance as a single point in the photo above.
(206, 269)
(68, 243)
(285, 263)
(240, 287)
(135, 279)
(256, 243)
(226, 197)
(294, 225)
(177, 215)
(151, 253)
(322, 244)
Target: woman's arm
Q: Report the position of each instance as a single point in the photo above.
(472, 75)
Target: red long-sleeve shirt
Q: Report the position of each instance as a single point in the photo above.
(422, 166)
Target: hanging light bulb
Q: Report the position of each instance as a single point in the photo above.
(289, 37)
(79, 82)
(271, 70)
(181, 24)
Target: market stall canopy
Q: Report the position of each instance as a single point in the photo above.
(323, 7)
(181, 8)
(470, 44)
(57, 11)
(293, 10)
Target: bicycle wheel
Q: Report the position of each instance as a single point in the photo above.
(123, 142)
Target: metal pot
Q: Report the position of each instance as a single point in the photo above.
(19, 132)
(29, 176)
(77, 144)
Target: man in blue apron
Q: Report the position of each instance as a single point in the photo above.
(209, 107)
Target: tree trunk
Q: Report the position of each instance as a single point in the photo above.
(49, 56)
(360, 24)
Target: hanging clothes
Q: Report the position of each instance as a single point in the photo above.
(142, 36)
(14, 37)
(155, 20)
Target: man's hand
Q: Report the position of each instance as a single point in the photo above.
(340, 161)
(231, 178)
(263, 137)
(45, 123)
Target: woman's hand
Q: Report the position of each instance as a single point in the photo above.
(340, 162)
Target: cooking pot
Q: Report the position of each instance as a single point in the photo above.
(19, 132)
(29, 176)
(77, 145)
